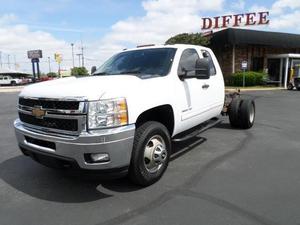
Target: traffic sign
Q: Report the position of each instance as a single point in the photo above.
(244, 65)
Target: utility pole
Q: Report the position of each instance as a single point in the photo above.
(82, 54)
(79, 56)
(15, 61)
(8, 62)
(72, 45)
(1, 59)
(49, 64)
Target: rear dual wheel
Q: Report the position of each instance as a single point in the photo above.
(242, 113)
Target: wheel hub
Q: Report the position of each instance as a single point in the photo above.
(155, 154)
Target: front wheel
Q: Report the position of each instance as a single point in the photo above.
(151, 153)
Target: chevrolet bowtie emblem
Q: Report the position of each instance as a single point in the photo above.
(38, 112)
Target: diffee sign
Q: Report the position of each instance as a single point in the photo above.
(237, 20)
(34, 54)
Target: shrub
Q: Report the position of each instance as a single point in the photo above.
(251, 78)
(79, 71)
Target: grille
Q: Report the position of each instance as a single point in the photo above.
(48, 104)
(53, 123)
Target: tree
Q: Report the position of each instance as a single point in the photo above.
(185, 38)
(52, 74)
(80, 71)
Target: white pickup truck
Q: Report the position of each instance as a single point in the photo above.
(8, 80)
(124, 117)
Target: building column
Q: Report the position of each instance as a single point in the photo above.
(233, 59)
(286, 72)
(280, 72)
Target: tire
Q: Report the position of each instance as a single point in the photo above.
(13, 83)
(290, 87)
(151, 153)
(247, 113)
(234, 113)
(298, 88)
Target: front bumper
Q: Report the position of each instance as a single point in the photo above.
(117, 142)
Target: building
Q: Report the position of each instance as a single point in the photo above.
(278, 54)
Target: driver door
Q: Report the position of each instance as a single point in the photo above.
(196, 90)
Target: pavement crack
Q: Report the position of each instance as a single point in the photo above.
(186, 186)
(227, 205)
(195, 179)
(136, 212)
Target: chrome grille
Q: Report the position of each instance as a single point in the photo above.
(59, 116)
(52, 104)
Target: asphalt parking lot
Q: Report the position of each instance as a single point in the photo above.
(223, 177)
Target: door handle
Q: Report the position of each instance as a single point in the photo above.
(205, 86)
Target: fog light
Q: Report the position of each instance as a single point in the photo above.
(98, 157)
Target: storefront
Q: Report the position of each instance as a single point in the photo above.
(278, 54)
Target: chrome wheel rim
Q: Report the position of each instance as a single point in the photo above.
(155, 154)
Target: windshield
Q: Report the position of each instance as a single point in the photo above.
(153, 62)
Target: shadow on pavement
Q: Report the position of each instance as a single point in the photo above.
(41, 182)
(38, 181)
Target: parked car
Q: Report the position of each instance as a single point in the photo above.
(124, 117)
(8, 80)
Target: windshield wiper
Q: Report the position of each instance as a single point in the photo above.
(100, 73)
(131, 72)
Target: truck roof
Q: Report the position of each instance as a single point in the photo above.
(177, 46)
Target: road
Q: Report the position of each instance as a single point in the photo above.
(223, 177)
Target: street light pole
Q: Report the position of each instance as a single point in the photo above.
(72, 45)
(49, 64)
(8, 62)
(79, 56)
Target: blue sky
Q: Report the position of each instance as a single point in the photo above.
(107, 26)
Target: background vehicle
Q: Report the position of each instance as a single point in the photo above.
(125, 116)
(8, 80)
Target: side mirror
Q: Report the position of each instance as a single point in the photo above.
(202, 68)
(93, 70)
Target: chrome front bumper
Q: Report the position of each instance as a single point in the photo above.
(117, 142)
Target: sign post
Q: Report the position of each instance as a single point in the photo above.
(35, 55)
(244, 68)
(58, 59)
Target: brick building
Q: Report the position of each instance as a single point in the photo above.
(275, 53)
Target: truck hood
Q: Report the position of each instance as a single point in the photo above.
(88, 88)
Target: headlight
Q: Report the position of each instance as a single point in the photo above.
(107, 113)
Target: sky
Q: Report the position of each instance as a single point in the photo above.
(105, 27)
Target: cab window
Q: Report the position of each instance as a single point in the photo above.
(187, 63)
(212, 68)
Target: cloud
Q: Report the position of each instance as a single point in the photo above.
(284, 15)
(286, 21)
(281, 5)
(16, 40)
(163, 19)
(238, 5)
